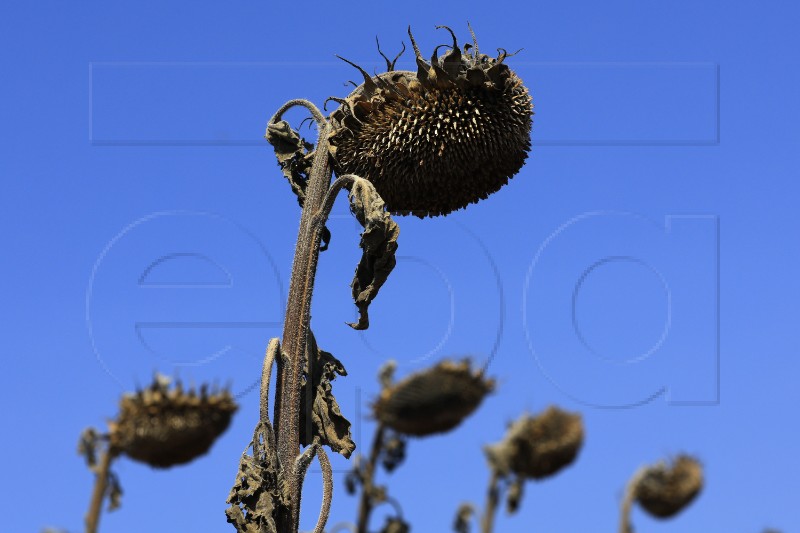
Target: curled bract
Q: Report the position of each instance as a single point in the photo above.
(165, 426)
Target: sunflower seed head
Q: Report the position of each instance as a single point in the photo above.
(665, 489)
(438, 139)
(164, 426)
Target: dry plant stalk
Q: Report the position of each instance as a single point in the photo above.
(423, 143)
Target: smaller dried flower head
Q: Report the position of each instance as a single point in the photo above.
(538, 446)
(435, 400)
(664, 490)
(164, 426)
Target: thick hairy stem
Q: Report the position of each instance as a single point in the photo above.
(295, 327)
(492, 497)
(367, 483)
(627, 502)
(99, 492)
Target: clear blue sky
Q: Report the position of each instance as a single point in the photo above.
(640, 269)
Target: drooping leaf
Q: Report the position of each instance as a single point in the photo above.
(88, 446)
(463, 517)
(379, 244)
(514, 494)
(327, 422)
(395, 524)
(295, 157)
(259, 488)
(114, 492)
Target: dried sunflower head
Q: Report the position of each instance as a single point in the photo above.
(438, 139)
(538, 446)
(164, 426)
(433, 401)
(664, 490)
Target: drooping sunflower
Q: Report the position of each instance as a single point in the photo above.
(434, 400)
(438, 139)
(665, 489)
(165, 426)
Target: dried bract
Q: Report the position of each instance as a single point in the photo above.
(438, 139)
(538, 446)
(164, 426)
(664, 490)
(435, 400)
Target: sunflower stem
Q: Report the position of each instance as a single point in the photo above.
(295, 330)
(367, 483)
(628, 500)
(492, 497)
(99, 491)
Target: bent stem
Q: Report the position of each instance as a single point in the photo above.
(492, 497)
(367, 484)
(627, 502)
(99, 491)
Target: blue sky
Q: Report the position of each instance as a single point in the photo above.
(640, 269)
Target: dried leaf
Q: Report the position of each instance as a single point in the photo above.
(514, 495)
(114, 492)
(259, 487)
(463, 517)
(379, 244)
(393, 452)
(88, 446)
(295, 157)
(327, 422)
(395, 524)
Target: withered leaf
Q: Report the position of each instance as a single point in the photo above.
(379, 244)
(395, 524)
(327, 422)
(514, 494)
(463, 517)
(114, 492)
(88, 446)
(295, 157)
(258, 489)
